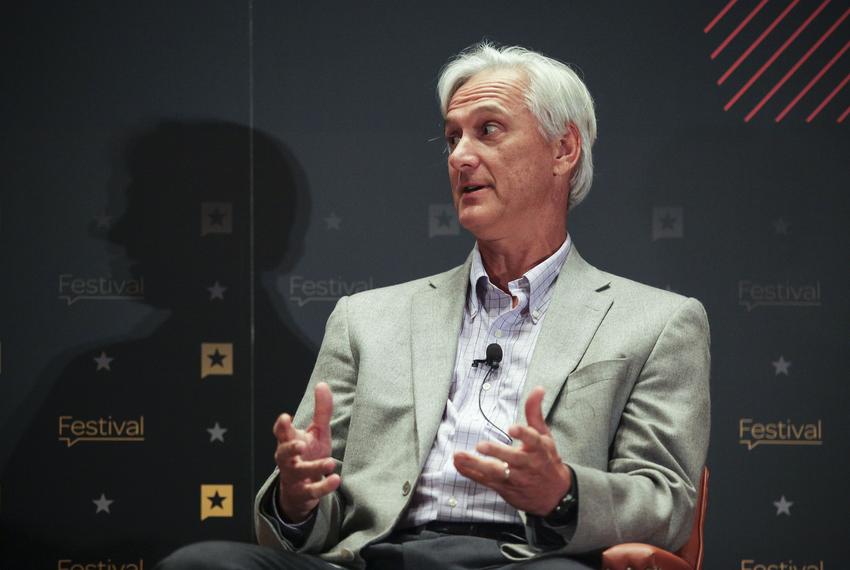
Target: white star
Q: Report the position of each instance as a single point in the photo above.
(103, 220)
(103, 504)
(781, 366)
(783, 505)
(217, 291)
(103, 361)
(332, 221)
(780, 226)
(217, 433)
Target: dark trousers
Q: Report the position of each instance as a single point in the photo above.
(425, 550)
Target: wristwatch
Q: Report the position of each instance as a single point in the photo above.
(564, 512)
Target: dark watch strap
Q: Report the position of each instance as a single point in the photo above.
(564, 511)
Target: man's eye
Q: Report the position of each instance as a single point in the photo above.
(451, 140)
(489, 129)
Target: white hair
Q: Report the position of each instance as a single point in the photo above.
(555, 95)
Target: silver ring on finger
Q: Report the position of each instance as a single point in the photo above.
(507, 472)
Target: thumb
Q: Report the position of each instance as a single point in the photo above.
(534, 410)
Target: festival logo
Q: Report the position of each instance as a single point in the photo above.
(216, 501)
(751, 564)
(108, 564)
(216, 359)
(753, 434)
(73, 288)
(442, 220)
(216, 218)
(752, 294)
(668, 222)
(100, 430)
(300, 290)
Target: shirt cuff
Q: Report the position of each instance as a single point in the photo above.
(294, 532)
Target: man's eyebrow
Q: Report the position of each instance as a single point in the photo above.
(483, 108)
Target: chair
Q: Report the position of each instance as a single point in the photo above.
(637, 556)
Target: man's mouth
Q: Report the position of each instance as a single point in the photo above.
(472, 188)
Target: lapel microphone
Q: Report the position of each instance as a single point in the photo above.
(492, 359)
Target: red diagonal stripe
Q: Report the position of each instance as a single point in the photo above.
(756, 43)
(846, 111)
(719, 16)
(811, 83)
(826, 101)
(737, 30)
(796, 66)
(775, 55)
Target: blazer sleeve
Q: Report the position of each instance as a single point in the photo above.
(648, 492)
(336, 365)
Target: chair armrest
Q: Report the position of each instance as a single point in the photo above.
(635, 556)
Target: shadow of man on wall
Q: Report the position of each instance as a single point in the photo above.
(138, 445)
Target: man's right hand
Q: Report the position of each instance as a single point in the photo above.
(303, 458)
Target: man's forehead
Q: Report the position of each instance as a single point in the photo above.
(493, 89)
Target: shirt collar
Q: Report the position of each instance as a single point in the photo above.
(538, 280)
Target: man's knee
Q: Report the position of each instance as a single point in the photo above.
(223, 555)
(214, 555)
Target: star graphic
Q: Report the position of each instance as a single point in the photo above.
(780, 226)
(216, 291)
(332, 221)
(216, 217)
(444, 219)
(781, 366)
(217, 433)
(668, 221)
(783, 506)
(216, 501)
(103, 504)
(103, 220)
(216, 358)
(103, 361)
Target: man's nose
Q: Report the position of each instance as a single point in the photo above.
(464, 155)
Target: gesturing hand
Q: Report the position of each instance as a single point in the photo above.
(531, 478)
(303, 458)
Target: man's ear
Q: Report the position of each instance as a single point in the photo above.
(568, 151)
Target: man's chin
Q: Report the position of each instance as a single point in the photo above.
(479, 226)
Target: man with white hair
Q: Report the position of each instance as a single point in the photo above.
(411, 449)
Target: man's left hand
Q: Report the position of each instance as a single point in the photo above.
(532, 477)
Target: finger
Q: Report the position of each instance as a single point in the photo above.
(467, 470)
(288, 452)
(324, 405)
(492, 471)
(312, 470)
(530, 437)
(321, 488)
(534, 410)
(511, 455)
(284, 430)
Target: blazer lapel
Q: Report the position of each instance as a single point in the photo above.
(575, 313)
(436, 319)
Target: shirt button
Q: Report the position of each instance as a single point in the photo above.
(536, 314)
(486, 386)
(405, 489)
(346, 554)
(498, 334)
(452, 502)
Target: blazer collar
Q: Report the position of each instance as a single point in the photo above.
(436, 320)
(577, 309)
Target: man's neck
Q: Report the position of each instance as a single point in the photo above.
(506, 260)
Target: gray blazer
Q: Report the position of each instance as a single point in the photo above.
(625, 368)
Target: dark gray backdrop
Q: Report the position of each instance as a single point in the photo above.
(291, 153)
